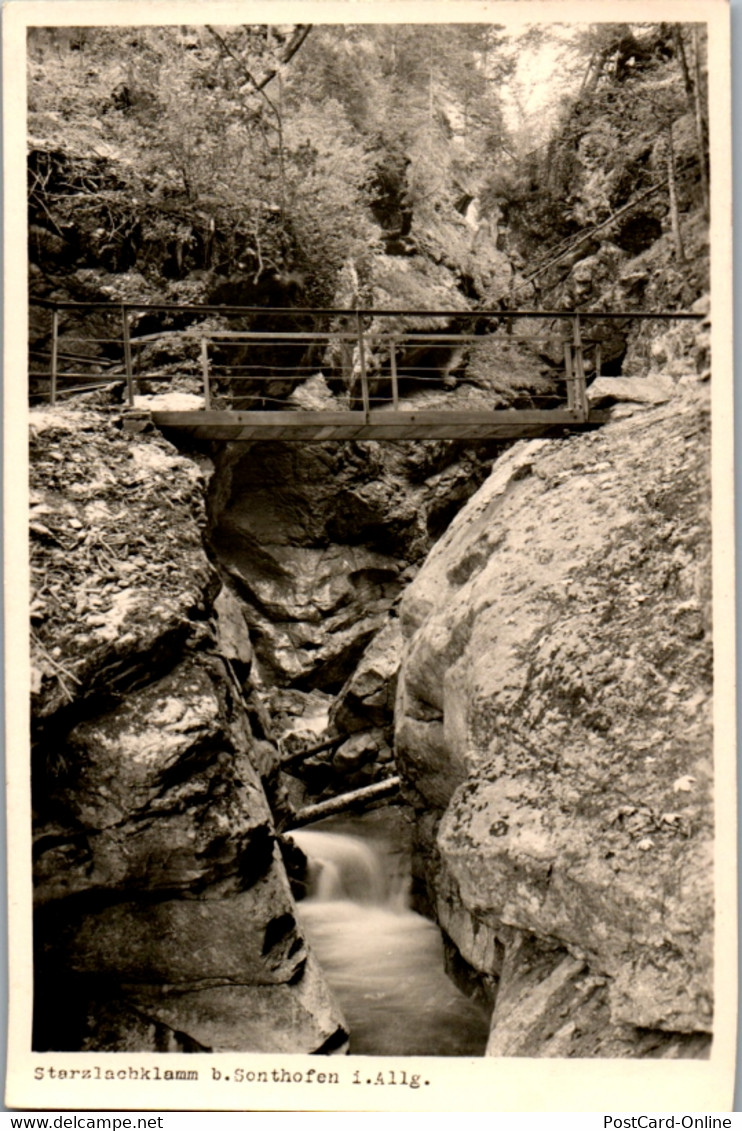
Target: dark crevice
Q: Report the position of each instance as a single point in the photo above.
(277, 930)
(333, 1043)
(298, 973)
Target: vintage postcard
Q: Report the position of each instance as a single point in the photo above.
(369, 556)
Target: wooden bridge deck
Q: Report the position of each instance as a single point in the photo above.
(372, 351)
(379, 424)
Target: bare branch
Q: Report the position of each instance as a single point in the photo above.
(257, 87)
(300, 34)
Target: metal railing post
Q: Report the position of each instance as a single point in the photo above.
(569, 375)
(580, 386)
(393, 369)
(362, 362)
(55, 356)
(205, 372)
(598, 359)
(127, 356)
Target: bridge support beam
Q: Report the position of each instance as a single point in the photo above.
(379, 424)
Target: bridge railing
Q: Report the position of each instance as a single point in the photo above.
(376, 358)
(385, 367)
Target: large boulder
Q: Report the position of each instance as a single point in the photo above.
(163, 833)
(367, 697)
(313, 611)
(158, 793)
(553, 726)
(110, 606)
(244, 981)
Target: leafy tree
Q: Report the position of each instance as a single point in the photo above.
(615, 136)
(252, 150)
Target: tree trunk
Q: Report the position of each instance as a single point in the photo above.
(300, 34)
(693, 100)
(698, 118)
(672, 192)
(677, 37)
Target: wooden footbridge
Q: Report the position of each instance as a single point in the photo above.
(395, 369)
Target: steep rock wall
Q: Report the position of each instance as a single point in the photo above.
(553, 729)
(151, 821)
(319, 540)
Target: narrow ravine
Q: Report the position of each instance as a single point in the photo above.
(225, 634)
(384, 962)
(168, 697)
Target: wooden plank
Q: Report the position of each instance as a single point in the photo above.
(258, 418)
(350, 419)
(397, 428)
(371, 432)
(244, 427)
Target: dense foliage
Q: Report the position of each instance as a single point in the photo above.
(176, 150)
(636, 102)
(266, 163)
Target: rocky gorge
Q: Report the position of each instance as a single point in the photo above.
(541, 680)
(511, 640)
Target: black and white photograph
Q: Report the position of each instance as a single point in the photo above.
(368, 438)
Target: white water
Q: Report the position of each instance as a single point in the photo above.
(383, 961)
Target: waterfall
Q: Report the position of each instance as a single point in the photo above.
(383, 961)
(342, 867)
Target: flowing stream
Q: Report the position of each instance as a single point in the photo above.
(383, 961)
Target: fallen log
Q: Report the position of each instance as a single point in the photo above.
(356, 797)
(301, 755)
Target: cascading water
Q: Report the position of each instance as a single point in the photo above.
(383, 961)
